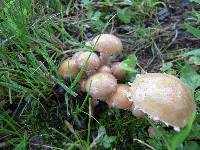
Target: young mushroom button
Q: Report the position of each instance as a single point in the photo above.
(91, 60)
(101, 85)
(107, 45)
(105, 69)
(164, 98)
(118, 71)
(119, 99)
(69, 68)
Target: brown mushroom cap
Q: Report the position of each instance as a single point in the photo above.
(105, 69)
(69, 68)
(76, 55)
(151, 131)
(108, 44)
(101, 85)
(163, 97)
(119, 99)
(92, 64)
(118, 71)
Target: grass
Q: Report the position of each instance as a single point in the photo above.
(38, 109)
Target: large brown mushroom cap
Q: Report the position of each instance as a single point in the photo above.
(107, 44)
(69, 68)
(163, 97)
(119, 99)
(93, 62)
(101, 85)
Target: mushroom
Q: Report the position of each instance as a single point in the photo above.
(118, 71)
(163, 97)
(69, 68)
(83, 85)
(92, 63)
(119, 99)
(105, 69)
(151, 131)
(101, 85)
(137, 113)
(107, 45)
(76, 55)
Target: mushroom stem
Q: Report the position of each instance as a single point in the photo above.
(105, 59)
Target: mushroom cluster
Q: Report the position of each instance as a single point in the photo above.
(162, 97)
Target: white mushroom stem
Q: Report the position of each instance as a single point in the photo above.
(105, 59)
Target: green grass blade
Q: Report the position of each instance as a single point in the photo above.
(179, 138)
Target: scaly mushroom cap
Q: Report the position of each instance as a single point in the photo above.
(118, 71)
(108, 44)
(163, 97)
(119, 99)
(101, 85)
(92, 64)
(69, 68)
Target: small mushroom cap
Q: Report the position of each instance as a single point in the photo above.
(76, 55)
(151, 131)
(92, 64)
(163, 97)
(101, 85)
(119, 99)
(107, 43)
(105, 69)
(69, 68)
(118, 71)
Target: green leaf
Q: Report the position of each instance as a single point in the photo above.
(108, 140)
(130, 63)
(129, 66)
(124, 15)
(101, 130)
(192, 30)
(195, 60)
(166, 67)
(195, 52)
(196, 1)
(190, 77)
(194, 56)
(85, 2)
(104, 139)
(179, 137)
